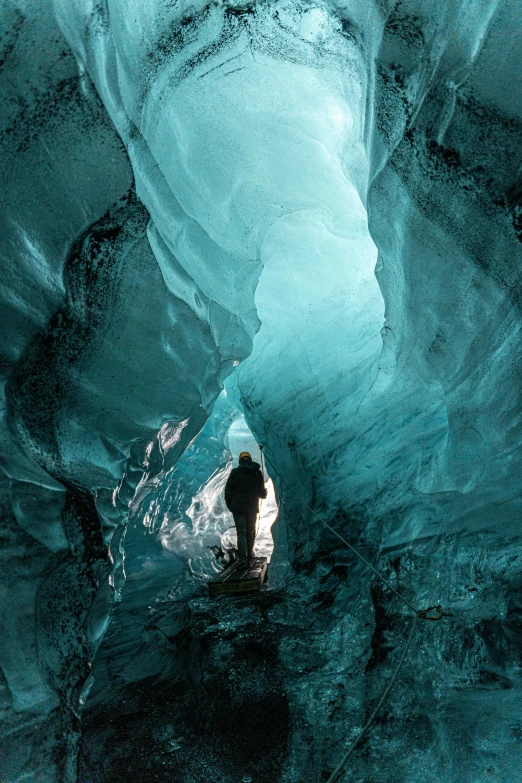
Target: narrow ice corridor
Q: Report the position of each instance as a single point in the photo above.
(195, 532)
(179, 535)
(280, 222)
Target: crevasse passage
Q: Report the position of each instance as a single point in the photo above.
(296, 220)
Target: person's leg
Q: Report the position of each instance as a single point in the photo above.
(240, 521)
(251, 518)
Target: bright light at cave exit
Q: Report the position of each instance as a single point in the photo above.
(240, 439)
(211, 522)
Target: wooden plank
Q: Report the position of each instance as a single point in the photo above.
(235, 571)
(239, 579)
(228, 573)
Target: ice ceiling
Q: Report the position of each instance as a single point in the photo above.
(306, 214)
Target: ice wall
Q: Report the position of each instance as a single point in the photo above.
(93, 392)
(198, 185)
(426, 453)
(419, 421)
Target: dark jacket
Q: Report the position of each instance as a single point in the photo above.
(244, 487)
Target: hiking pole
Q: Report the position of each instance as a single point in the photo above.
(262, 461)
(264, 482)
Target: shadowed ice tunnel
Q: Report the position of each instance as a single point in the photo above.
(288, 223)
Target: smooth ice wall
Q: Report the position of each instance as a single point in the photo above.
(436, 77)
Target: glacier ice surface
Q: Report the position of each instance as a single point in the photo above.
(299, 220)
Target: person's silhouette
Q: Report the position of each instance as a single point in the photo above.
(243, 489)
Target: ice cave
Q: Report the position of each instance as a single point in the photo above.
(287, 223)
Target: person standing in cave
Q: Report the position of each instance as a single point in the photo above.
(244, 488)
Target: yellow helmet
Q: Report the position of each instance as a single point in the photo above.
(245, 455)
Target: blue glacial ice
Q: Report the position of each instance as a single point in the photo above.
(288, 223)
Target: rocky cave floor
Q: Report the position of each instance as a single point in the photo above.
(275, 686)
(220, 718)
(247, 687)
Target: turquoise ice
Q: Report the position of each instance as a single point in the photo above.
(288, 223)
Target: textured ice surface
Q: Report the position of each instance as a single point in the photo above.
(317, 205)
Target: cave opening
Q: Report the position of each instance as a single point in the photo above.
(315, 207)
(200, 527)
